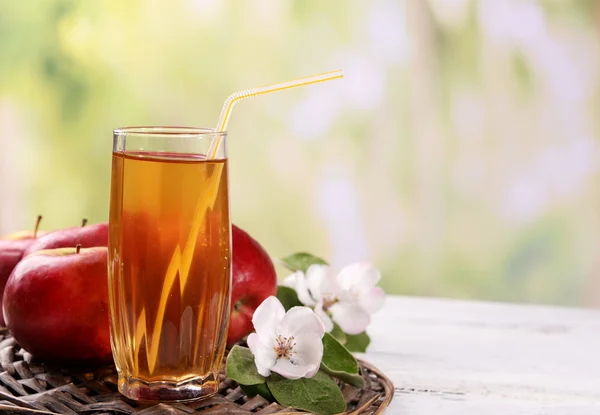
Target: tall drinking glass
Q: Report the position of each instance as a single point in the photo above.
(169, 256)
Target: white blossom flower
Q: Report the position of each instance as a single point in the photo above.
(348, 298)
(287, 343)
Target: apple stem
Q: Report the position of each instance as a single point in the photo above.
(78, 248)
(37, 226)
(83, 222)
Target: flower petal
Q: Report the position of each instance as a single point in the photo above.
(290, 280)
(266, 318)
(319, 311)
(372, 300)
(351, 317)
(309, 352)
(264, 356)
(300, 321)
(290, 370)
(361, 275)
(299, 284)
(320, 281)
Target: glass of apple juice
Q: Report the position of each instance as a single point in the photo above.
(169, 260)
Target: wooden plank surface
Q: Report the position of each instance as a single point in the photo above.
(449, 357)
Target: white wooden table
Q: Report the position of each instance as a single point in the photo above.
(449, 357)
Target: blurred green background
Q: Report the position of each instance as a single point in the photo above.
(460, 153)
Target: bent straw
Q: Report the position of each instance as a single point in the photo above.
(252, 92)
(181, 259)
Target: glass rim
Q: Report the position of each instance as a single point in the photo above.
(168, 130)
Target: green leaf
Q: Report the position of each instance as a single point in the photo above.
(339, 362)
(288, 297)
(357, 342)
(260, 389)
(301, 261)
(336, 357)
(241, 367)
(319, 394)
(338, 333)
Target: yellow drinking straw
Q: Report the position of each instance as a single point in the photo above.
(181, 259)
(252, 92)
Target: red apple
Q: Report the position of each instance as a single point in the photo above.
(56, 304)
(12, 247)
(253, 280)
(11, 253)
(86, 236)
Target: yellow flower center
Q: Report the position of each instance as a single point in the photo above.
(284, 347)
(328, 302)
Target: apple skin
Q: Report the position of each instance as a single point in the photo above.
(253, 280)
(56, 305)
(12, 248)
(24, 235)
(11, 253)
(86, 236)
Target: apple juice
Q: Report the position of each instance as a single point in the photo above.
(169, 268)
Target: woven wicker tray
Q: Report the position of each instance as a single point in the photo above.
(30, 387)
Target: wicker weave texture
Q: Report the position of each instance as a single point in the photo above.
(31, 387)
